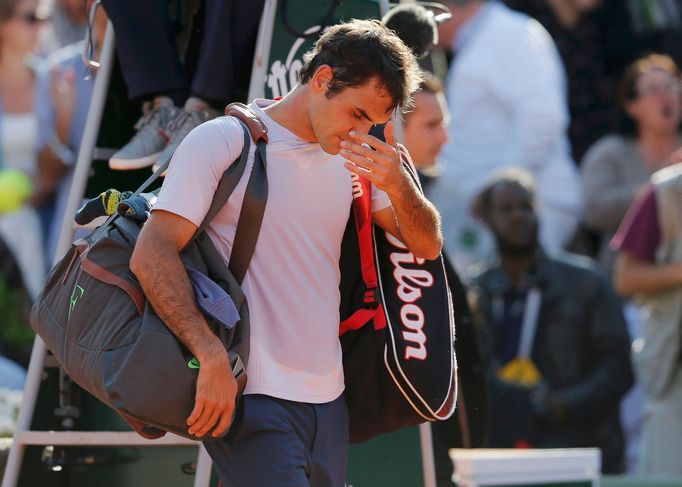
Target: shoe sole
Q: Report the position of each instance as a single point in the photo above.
(131, 164)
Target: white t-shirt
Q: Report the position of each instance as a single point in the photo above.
(292, 284)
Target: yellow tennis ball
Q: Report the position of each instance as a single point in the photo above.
(15, 187)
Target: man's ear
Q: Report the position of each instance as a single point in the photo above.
(321, 79)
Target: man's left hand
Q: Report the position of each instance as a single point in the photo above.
(380, 164)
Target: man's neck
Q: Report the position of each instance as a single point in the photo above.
(291, 113)
(516, 266)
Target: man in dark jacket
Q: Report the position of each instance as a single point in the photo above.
(554, 334)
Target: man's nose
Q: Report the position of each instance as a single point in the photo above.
(364, 126)
(443, 134)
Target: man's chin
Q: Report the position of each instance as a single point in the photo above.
(332, 147)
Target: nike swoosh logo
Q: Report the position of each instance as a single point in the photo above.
(193, 364)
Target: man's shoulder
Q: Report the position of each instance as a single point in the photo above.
(485, 275)
(578, 266)
(217, 142)
(225, 128)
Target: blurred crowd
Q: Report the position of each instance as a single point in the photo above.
(550, 141)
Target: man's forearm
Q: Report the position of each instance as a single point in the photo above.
(418, 222)
(167, 287)
(156, 263)
(632, 276)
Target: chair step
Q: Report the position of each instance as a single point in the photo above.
(98, 438)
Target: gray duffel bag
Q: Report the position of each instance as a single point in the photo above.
(94, 317)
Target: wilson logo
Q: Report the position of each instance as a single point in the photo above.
(284, 76)
(76, 294)
(410, 284)
(358, 190)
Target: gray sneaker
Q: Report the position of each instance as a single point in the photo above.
(179, 128)
(150, 139)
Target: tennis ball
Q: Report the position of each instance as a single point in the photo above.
(15, 187)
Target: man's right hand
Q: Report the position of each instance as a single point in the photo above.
(156, 264)
(215, 397)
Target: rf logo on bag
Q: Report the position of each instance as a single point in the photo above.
(75, 296)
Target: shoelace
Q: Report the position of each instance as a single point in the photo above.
(149, 115)
(178, 121)
(199, 116)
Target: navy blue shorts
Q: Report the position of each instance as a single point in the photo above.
(285, 443)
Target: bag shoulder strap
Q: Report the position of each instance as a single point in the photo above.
(253, 206)
(255, 197)
(252, 126)
(371, 302)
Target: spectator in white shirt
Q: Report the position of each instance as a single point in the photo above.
(507, 98)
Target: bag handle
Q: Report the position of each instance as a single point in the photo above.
(325, 21)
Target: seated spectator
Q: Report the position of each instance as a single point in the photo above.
(178, 96)
(67, 25)
(63, 101)
(576, 28)
(554, 334)
(507, 99)
(21, 229)
(649, 267)
(617, 168)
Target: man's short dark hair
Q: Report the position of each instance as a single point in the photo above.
(360, 50)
